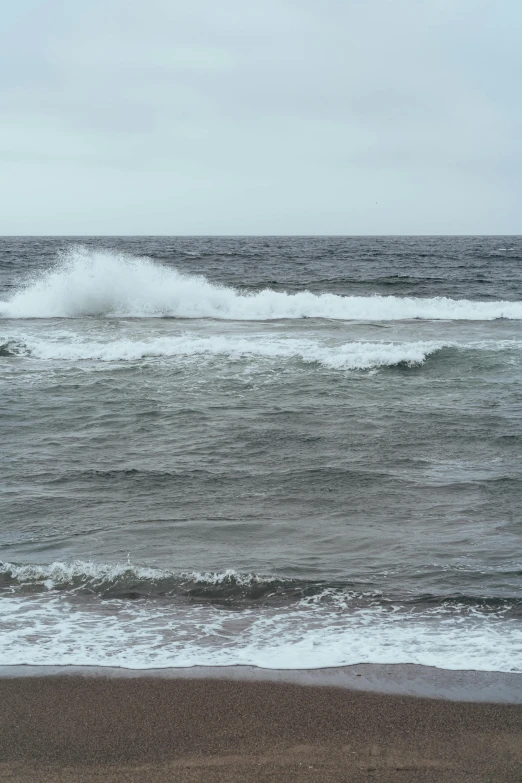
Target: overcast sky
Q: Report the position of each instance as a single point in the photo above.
(265, 117)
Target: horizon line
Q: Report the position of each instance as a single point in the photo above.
(242, 236)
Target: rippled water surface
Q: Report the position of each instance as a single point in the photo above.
(280, 451)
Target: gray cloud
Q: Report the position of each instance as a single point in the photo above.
(362, 116)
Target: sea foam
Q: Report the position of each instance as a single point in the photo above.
(346, 356)
(143, 634)
(320, 628)
(105, 283)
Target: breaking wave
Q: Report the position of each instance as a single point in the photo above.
(229, 617)
(347, 356)
(105, 283)
(128, 581)
(125, 580)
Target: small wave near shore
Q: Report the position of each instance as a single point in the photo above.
(84, 614)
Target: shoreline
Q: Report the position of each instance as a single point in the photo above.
(401, 679)
(91, 728)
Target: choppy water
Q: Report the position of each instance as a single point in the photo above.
(277, 451)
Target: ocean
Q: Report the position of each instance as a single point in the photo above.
(277, 451)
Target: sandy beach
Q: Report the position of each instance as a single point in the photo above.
(86, 729)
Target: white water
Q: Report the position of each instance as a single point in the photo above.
(346, 356)
(104, 283)
(50, 629)
(59, 573)
(57, 627)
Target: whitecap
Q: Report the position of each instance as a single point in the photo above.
(106, 283)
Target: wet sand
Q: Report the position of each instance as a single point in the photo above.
(90, 729)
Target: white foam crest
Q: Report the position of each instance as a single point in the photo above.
(352, 355)
(230, 575)
(59, 573)
(104, 283)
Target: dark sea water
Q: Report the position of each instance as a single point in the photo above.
(288, 452)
